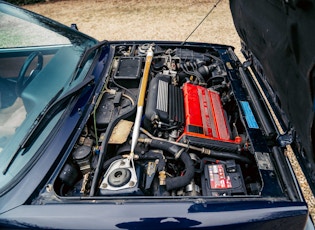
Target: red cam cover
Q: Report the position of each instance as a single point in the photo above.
(204, 114)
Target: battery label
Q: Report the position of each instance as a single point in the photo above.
(218, 179)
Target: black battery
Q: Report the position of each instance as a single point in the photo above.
(223, 179)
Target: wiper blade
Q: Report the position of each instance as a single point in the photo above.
(54, 106)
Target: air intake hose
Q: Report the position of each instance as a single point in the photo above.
(179, 181)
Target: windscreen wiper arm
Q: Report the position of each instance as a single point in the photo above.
(89, 51)
(54, 106)
(86, 55)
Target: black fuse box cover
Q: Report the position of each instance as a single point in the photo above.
(128, 72)
(128, 68)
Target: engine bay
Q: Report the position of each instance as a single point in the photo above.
(183, 132)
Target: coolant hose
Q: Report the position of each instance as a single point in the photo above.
(228, 155)
(182, 181)
(179, 181)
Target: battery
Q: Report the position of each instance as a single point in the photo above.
(223, 179)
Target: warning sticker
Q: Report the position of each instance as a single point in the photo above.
(249, 116)
(218, 179)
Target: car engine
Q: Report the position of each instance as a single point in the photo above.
(189, 134)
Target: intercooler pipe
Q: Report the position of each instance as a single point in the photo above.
(179, 181)
(217, 154)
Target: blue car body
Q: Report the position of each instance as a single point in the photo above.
(76, 101)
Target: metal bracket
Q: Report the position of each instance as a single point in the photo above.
(287, 138)
(248, 62)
